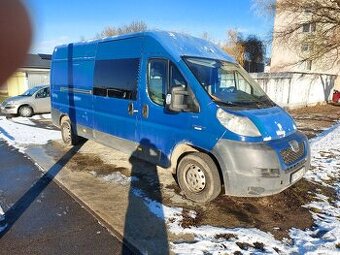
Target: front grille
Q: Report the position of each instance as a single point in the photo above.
(289, 156)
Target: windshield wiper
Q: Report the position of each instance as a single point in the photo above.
(264, 100)
(228, 103)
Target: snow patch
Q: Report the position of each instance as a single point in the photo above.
(171, 215)
(321, 239)
(172, 35)
(281, 131)
(20, 132)
(325, 153)
(268, 138)
(2, 217)
(117, 178)
(2, 220)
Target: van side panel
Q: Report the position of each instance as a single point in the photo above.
(111, 113)
(71, 83)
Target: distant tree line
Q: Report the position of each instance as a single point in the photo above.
(249, 51)
(134, 26)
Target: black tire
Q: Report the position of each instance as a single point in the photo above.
(67, 133)
(198, 177)
(25, 111)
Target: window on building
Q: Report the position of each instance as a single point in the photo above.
(116, 78)
(306, 47)
(308, 64)
(308, 10)
(308, 27)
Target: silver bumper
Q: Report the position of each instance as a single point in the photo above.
(9, 110)
(255, 169)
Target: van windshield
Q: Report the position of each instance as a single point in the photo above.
(228, 84)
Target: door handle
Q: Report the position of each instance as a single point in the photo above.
(145, 111)
(130, 109)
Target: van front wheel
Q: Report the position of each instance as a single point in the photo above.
(67, 132)
(198, 177)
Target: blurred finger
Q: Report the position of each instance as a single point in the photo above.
(16, 35)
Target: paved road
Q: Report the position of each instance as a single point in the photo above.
(41, 217)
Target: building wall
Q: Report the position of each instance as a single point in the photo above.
(287, 55)
(294, 90)
(17, 84)
(22, 80)
(37, 78)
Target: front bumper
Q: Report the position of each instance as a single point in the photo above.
(245, 166)
(8, 110)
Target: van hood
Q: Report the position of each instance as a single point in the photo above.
(273, 123)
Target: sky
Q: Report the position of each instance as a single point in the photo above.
(58, 22)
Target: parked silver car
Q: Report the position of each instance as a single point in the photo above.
(34, 100)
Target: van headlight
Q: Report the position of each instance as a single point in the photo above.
(236, 124)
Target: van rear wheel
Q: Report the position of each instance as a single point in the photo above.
(198, 177)
(67, 132)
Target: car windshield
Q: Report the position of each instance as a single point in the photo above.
(228, 83)
(31, 91)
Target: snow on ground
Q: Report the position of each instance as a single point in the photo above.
(116, 177)
(20, 132)
(324, 238)
(2, 220)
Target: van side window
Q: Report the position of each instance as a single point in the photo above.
(176, 78)
(162, 76)
(116, 78)
(158, 80)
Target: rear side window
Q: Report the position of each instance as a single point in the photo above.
(116, 78)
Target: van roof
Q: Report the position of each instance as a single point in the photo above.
(177, 44)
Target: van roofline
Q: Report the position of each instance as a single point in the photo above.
(177, 44)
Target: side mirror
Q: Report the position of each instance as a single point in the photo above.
(178, 99)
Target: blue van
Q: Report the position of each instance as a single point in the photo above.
(182, 103)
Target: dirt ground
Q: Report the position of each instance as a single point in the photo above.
(275, 214)
(313, 120)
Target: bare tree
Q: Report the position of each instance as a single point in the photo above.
(250, 50)
(134, 26)
(313, 28)
(254, 49)
(235, 46)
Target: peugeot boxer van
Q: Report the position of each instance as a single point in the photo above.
(182, 103)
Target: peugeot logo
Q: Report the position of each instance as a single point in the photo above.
(294, 145)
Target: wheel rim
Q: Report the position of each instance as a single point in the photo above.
(25, 111)
(195, 178)
(66, 133)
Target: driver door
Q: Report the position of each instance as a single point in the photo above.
(42, 101)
